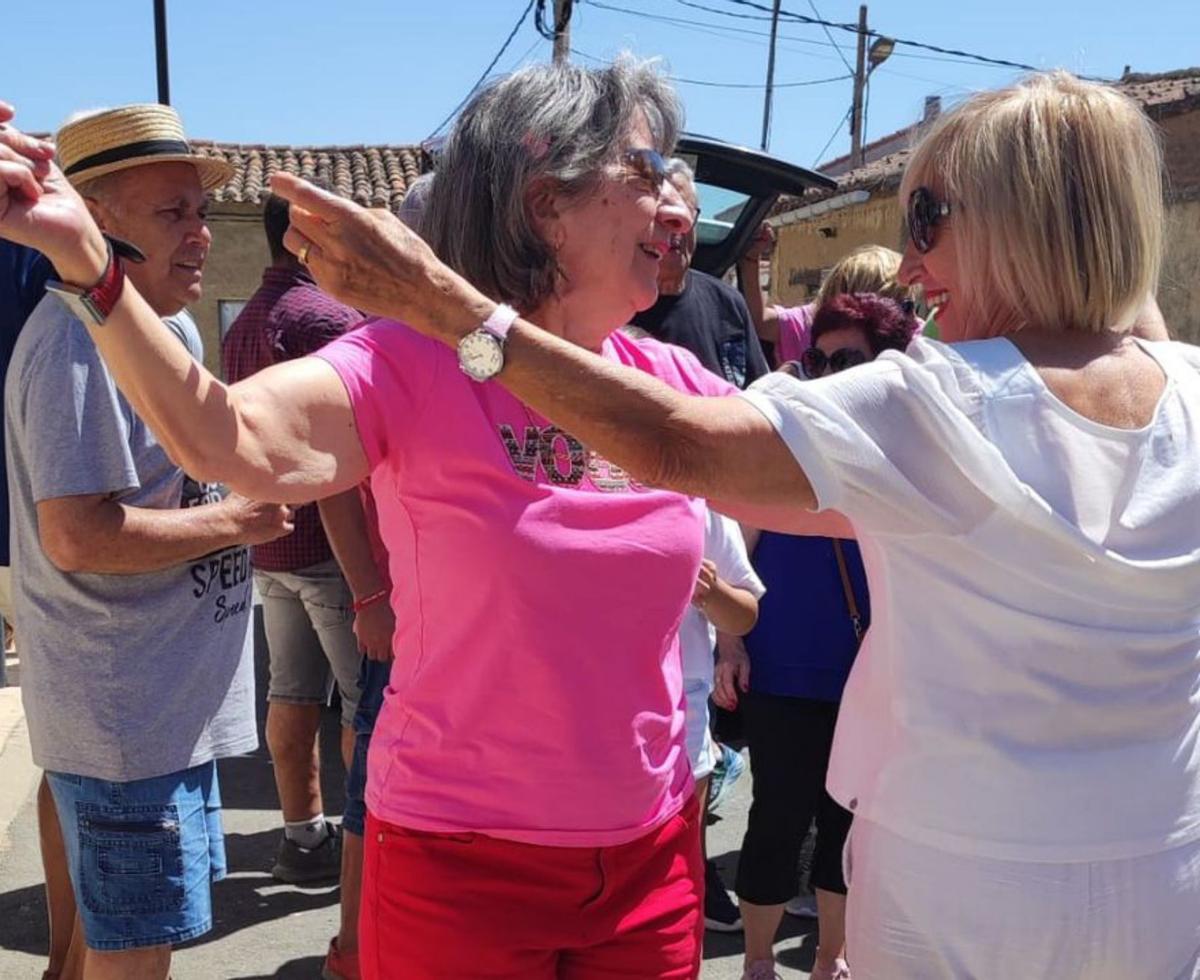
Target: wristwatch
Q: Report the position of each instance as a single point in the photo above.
(481, 352)
(93, 305)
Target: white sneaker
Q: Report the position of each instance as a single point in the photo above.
(802, 906)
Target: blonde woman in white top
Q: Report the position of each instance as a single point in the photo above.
(1020, 737)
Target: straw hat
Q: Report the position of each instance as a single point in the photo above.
(131, 136)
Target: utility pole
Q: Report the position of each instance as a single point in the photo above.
(766, 133)
(562, 30)
(160, 51)
(860, 78)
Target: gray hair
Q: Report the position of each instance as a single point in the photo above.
(414, 202)
(560, 123)
(682, 176)
(679, 167)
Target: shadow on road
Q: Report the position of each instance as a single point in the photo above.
(23, 920)
(722, 944)
(302, 969)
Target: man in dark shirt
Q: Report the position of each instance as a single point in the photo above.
(698, 311)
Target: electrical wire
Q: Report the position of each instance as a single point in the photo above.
(487, 71)
(730, 32)
(832, 43)
(854, 29)
(718, 30)
(711, 84)
(832, 136)
(543, 28)
(759, 85)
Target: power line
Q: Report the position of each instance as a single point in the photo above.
(487, 71)
(711, 84)
(759, 85)
(719, 30)
(731, 32)
(853, 29)
(832, 42)
(832, 136)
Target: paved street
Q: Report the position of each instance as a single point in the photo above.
(264, 929)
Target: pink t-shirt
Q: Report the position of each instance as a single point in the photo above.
(536, 693)
(795, 331)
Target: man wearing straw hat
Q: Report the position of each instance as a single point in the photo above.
(134, 601)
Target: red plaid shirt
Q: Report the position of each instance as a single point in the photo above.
(287, 317)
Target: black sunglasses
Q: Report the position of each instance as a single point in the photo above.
(923, 214)
(648, 165)
(814, 361)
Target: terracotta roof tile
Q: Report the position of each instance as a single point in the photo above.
(374, 176)
(1160, 94)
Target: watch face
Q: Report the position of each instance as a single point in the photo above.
(480, 355)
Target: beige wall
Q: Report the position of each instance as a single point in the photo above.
(1179, 286)
(234, 269)
(806, 248)
(803, 252)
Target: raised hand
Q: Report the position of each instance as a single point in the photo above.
(761, 245)
(39, 207)
(369, 259)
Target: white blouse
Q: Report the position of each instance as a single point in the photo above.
(1030, 685)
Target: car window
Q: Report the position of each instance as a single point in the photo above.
(719, 210)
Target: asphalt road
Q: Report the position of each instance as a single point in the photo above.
(264, 929)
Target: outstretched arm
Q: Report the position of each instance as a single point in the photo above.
(286, 435)
(719, 448)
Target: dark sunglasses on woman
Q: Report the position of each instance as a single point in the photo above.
(923, 214)
(648, 165)
(814, 361)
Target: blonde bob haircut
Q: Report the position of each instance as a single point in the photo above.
(1055, 186)
(868, 269)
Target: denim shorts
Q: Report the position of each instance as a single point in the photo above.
(372, 679)
(142, 854)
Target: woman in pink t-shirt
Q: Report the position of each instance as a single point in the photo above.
(530, 797)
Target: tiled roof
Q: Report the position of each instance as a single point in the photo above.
(1161, 95)
(374, 176)
(1172, 91)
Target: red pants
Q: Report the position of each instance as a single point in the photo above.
(464, 905)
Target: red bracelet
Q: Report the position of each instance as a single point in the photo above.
(360, 604)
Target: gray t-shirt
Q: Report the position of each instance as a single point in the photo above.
(123, 677)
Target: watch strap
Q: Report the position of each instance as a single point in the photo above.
(100, 299)
(500, 321)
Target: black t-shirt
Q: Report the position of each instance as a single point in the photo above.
(711, 320)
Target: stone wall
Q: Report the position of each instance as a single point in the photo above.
(807, 248)
(233, 271)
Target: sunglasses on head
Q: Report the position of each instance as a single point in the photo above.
(814, 361)
(923, 214)
(648, 165)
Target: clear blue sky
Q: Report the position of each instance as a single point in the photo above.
(388, 71)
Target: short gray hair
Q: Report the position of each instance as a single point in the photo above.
(557, 122)
(414, 202)
(679, 167)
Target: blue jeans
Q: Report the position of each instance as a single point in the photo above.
(142, 854)
(372, 679)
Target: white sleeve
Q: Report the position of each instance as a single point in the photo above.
(889, 444)
(726, 548)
